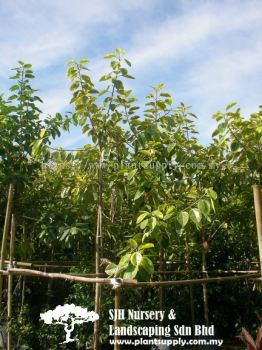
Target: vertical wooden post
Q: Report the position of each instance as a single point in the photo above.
(117, 321)
(10, 285)
(161, 268)
(99, 246)
(22, 282)
(23, 292)
(191, 290)
(97, 310)
(258, 212)
(205, 275)
(5, 233)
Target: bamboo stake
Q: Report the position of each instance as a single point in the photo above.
(204, 286)
(161, 266)
(10, 285)
(99, 247)
(23, 278)
(5, 233)
(23, 293)
(191, 290)
(117, 321)
(258, 212)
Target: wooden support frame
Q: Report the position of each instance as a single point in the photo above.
(112, 282)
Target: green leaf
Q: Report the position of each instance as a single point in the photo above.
(147, 152)
(147, 264)
(109, 55)
(64, 235)
(131, 174)
(213, 205)
(42, 133)
(139, 193)
(235, 146)
(124, 71)
(182, 218)
(104, 91)
(221, 127)
(144, 224)
(83, 60)
(153, 223)
(111, 269)
(158, 87)
(128, 62)
(14, 88)
(169, 213)
(170, 147)
(146, 246)
(212, 193)
(119, 50)
(132, 243)
(129, 76)
(118, 84)
(161, 105)
(36, 145)
(124, 259)
(131, 272)
(165, 94)
(195, 215)
(230, 105)
(142, 217)
(105, 77)
(136, 258)
(158, 214)
(204, 207)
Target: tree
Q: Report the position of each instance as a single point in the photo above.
(68, 316)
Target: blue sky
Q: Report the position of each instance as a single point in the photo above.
(208, 53)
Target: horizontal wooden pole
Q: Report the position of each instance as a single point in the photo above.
(197, 281)
(33, 264)
(184, 272)
(126, 283)
(179, 272)
(69, 277)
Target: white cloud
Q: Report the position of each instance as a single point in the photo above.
(193, 31)
(43, 31)
(69, 140)
(55, 100)
(212, 48)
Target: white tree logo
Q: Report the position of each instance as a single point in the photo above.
(68, 316)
